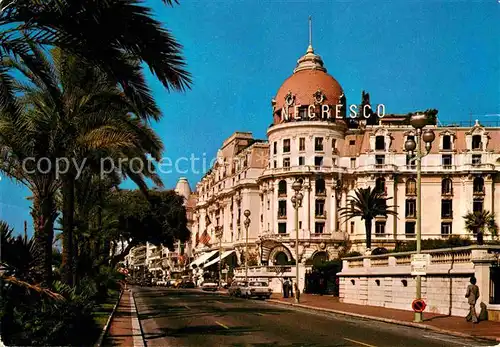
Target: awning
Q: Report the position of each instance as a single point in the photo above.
(203, 258)
(216, 260)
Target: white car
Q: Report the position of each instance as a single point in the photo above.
(209, 285)
(256, 289)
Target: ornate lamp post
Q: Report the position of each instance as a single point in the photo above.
(419, 121)
(247, 224)
(218, 234)
(297, 202)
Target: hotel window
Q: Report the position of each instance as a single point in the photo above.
(446, 209)
(334, 145)
(446, 186)
(275, 147)
(334, 161)
(411, 208)
(268, 205)
(352, 227)
(380, 143)
(380, 185)
(286, 146)
(352, 142)
(446, 161)
(353, 163)
(476, 142)
(275, 163)
(320, 208)
(302, 161)
(445, 229)
(282, 228)
(476, 159)
(282, 188)
(411, 187)
(286, 162)
(320, 187)
(478, 185)
(318, 161)
(302, 113)
(446, 142)
(319, 227)
(410, 228)
(302, 144)
(379, 160)
(282, 208)
(410, 162)
(477, 206)
(300, 224)
(379, 228)
(318, 144)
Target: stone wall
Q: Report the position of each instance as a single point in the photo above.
(386, 280)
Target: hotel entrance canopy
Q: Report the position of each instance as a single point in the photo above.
(216, 260)
(203, 258)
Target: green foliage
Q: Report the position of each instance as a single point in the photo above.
(479, 223)
(329, 266)
(451, 242)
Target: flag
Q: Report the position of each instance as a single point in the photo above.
(205, 238)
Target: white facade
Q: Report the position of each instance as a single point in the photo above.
(333, 159)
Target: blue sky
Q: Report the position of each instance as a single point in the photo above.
(407, 55)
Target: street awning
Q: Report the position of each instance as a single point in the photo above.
(216, 260)
(203, 258)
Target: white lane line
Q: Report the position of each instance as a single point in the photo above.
(439, 338)
(359, 343)
(186, 306)
(222, 325)
(219, 302)
(258, 313)
(136, 328)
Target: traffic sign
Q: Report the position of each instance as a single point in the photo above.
(419, 263)
(418, 305)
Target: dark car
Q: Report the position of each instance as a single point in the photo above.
(187, 284)
(235, 288)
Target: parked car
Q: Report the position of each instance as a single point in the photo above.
(209, 285)
(256, 289)
(235, 288)
(187, 284)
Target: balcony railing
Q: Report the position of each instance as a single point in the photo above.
(320, 215)
(479, 191)
(281, 215)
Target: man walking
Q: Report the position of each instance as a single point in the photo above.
(472, 295)
(286, 284)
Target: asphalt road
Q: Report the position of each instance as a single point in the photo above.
(171, 317)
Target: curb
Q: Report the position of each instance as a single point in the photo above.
(386, 320)
(136, 318)
(108, 322)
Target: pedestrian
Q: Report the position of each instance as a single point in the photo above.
(290, 288)
(286, 284)
(472, 295)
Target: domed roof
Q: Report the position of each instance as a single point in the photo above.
(308, 78)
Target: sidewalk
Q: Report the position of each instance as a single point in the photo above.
(452, 325)
(124, 329)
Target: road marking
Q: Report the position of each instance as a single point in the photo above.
(219, 302)
(222, 325)
(186, 306)
(258, 313)
(358, 342)
(441, 339)
(136, 328)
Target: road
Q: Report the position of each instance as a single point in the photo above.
(171, 317)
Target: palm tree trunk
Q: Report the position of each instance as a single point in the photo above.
(68, 191)
(479, 236)
(43, 219)
(368, 232)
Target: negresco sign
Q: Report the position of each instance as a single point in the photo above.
(325, 111)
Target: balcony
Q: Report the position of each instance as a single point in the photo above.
(320, 214)
(321, 192)
(321, 236)
(281, 215)
(479, 191)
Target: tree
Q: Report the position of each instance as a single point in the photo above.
(479, 222)
(367, 203)
(159, 218)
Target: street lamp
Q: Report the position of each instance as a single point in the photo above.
(219, 236)
(247, 224)
(297, 202)
(419, 121)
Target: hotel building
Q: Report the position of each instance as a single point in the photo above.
(312, 138)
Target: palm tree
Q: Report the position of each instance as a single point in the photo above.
(88, 118)
(367, 203)
(116, 35)
(479, 222)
